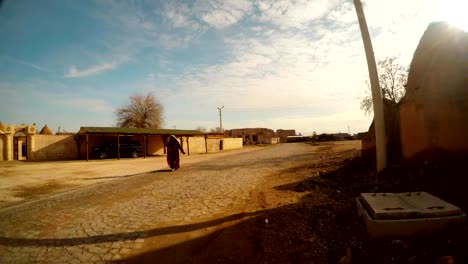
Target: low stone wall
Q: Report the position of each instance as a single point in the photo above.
(232, 143)
(64, 147)
(155, 145)
(54, 147)
(2, 149)
(197, 145)
(275, 140)
(213, 144)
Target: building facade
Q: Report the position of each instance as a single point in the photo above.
(252, 136)
(20, 142)
(17, 142)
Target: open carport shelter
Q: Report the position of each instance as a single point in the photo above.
(153, 141)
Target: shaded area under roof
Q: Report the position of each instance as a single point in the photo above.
(138, 131)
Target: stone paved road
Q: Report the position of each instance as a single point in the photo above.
(114, 220)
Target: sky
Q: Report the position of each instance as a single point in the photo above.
(275, 64)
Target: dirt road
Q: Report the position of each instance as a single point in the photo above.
(140, 217)
(20, 181)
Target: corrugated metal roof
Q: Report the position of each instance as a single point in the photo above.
(138, 131)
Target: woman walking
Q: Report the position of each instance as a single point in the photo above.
(173, 148)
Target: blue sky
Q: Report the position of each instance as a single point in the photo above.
(276, 64)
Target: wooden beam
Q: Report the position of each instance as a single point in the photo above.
(146, 144)
(206, 145)
(87, 148)
(188, 146)
(78, 144)
(118, 146)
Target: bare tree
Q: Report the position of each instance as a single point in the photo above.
(216, 130)
(201, 129)
(392, 79)
(143, 111)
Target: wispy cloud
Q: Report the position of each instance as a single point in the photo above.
(300, 61)
(52, 93)
(178, 16)
(296, 57)
(221, 14)
(130, 30)
(288, 14)
(90, 104)
(73, 72)
(268, 65)
(343, 14)
(214, 13)
(7, 89)
(181, 16)
(22, 62)
(76, 101)
(271, 71)
(52, 103)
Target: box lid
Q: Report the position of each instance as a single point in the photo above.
(406, 205)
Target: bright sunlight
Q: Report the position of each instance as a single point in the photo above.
(453, 12)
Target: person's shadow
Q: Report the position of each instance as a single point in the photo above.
(161, 170)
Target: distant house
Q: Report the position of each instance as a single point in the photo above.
(342, 136)
(360, 135)
(284, 133)
(291, 139)
(252, 136)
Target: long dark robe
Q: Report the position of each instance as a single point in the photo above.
(173, 148)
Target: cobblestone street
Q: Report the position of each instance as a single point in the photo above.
(117, 219)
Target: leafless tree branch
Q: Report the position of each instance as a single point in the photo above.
(392, 80)
(143, 111)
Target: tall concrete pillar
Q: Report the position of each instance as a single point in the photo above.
(9, 130)
(19, 145)
(31, 146)
(9, 146)
(31, 141)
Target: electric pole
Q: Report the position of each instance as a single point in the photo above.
(220, 119)
(381, 148)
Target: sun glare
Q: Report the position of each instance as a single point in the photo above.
(454, 12)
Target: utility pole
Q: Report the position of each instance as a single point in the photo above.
(381, 148)
(220, 119)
